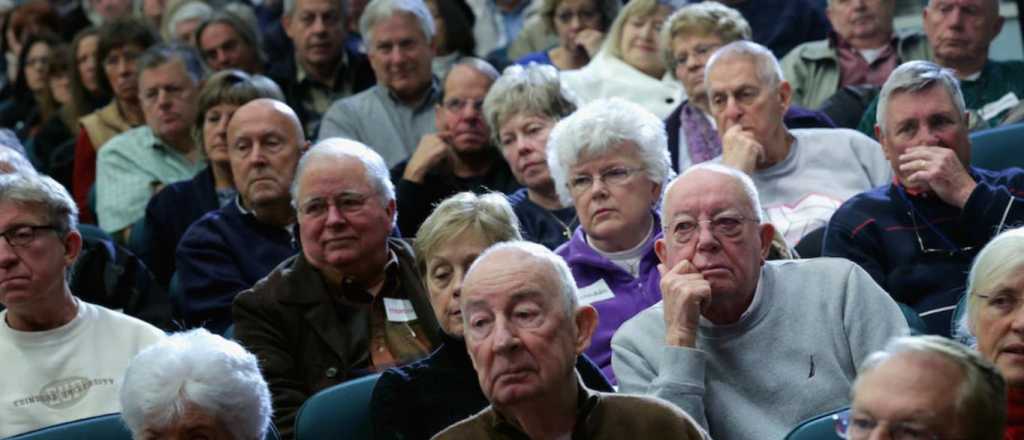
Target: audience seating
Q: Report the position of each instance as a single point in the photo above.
(998, 148)
(341, 411)
(821, 427)
(105, 427)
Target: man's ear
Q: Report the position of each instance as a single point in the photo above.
(286, 21)
(72, 247)
(785, 95)
(661, 250)
(586, 323)
(767, 233)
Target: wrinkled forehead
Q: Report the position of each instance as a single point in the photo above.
(508, 276)
(732, 71)
(707, 192)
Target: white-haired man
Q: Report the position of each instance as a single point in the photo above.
(352, 302)
(918, 235)
(803, 175)
(392, 116)
(65, 358)
(524, 331)
(927, 387)
(749, 348)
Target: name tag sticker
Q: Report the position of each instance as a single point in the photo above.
(994, 108)
(399, 310)
(593, 293)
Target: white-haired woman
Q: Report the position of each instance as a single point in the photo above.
(630, 64)
(421, 399)
(610, 161)
(195, 385)
(995, 318)
(523, 106)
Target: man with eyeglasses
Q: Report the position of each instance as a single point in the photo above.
(749, 348)
(802, 175)
(228, 250)
(918, 235)
(393, 115)
(351, 303)
(137, 163)
(64, 359)
(460, 156)
(925, 388)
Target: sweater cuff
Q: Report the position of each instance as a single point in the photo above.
(682, 371)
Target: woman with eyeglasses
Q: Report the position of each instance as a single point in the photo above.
(629, 64)
(994, 320)
(580, 25)
(31, 102)
(610, 161)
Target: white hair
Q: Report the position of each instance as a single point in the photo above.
(546, 257)
(34, 189)
(13, 161)
(599, 128)
(765, 64)
(193, 10)
(199, 368)
(745, 182)
(981, 400)
(1002, 257)
(377, 173)
(915, 77)
(532, 90)
(379, 10)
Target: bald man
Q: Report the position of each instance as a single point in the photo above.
(229, 249)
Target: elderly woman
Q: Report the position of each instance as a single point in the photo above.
(995, 289)
(580, 26)
(171, 211)
(522, 106)
(609, 160)
(629, 64)
(421, 399)
(195, 385)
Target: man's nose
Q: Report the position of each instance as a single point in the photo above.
(706, 240)
(505, 337)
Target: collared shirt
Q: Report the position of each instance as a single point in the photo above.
(854, 69)
(394, 335)
(315, 96)
(377, 118)
(241, 208)
(130, 168)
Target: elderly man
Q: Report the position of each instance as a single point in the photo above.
(861, 49)
(524, 331)
(352, 302)
(393, 116)
(460, 156)
(65, 357)
(688, 38)
(135, 164)
(322, 69)
(960, 33)
(802, 175)
(927, 387)
(918, 235)
(226, 41)
(228, 250)
(734, 332)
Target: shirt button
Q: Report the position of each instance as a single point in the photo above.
(331, 372)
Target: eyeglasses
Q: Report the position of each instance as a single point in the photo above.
(565, 17)
(346, 203)
(926, 250)
(860, 427)
(21, 236)
(581, 183)
(723, 226)
(455, 105)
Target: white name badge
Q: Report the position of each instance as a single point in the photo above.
(399, 310)
(994, 108)
(599, 291)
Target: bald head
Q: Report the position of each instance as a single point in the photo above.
(265, 141)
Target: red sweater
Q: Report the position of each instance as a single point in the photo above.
(1015, 414)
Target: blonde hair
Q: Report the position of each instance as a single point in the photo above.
(490, 215)
(704, 18)
(635, 8)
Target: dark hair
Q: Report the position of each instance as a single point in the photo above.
(458, 24)
(245, 32)
(83, 101)
(22, 94)
(115, 35)
(33, 14)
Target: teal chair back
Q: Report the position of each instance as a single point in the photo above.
(341, 412)
(998, 148)
(105, 427)
(822, 427)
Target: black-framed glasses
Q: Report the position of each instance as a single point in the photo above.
(927, 250)
(860, 427)
(23, 235)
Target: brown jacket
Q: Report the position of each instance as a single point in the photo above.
(306, 341)
(599, 416)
